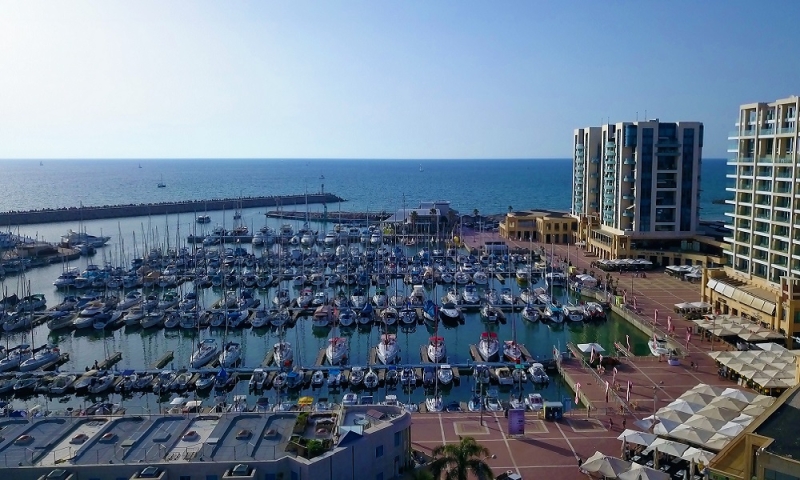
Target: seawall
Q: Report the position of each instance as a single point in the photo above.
(72, 214)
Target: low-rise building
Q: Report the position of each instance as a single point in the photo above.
(543, 226)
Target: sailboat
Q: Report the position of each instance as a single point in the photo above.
(282, 351)
(387, 348)
(336, 351)
(161, 183)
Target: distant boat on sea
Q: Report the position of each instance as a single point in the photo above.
(322, 177)
(140, 165)
(161, 184)
(420, 168)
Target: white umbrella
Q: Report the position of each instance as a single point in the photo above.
(637, 438)
(682, 405)
(729, 403)
(695, 435)
(717, 442)
(731, 429)
(743, 419)
(641, 472)
(605, 465)
(669, 447)
(719, 413)
(708, 389)
(754, 410)
(587, 347)
(697, 455)
(762, 401)
(675, 415)
(665, 425)
(696, 397)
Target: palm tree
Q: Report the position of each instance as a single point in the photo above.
(455, 461)
(420, 474)
(510, 209)
(475, 213)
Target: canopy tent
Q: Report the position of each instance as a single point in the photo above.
(605, 465)
(691, 434)
(705, 423)
(729, 403)
(668, 447)
(696, 398)
(698, 455)
(587, 347)
(718, 413)
(731, 429)
(681, 405)
(717, 442)
(674, 415)
(665, 425)
(637, 438)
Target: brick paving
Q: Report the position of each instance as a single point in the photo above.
(550, 449)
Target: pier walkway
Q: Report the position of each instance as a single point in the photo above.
(74, 214)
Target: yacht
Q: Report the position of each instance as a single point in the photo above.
(62, 383)
(445, 374)
(15, 358)
(60, 319)
(317, 379)
(469, 296)
(205, 352)
(504, 376)
(347, 317)
(336, 350)
(408, 316)
(555, 279)
(488, 346)
(506, 296)
(387, 348)
(74, 238)
(282, 353)
(101, 382)
(370, 379)
(449, 313)
(43, 357)
(538, 374)
(131, 299)
(408, 376)
(230, 354)
(356, 376)
(531, 314)
(417, 297)
(152, 319)
(434, 403)
(490, 313)
(511, 351)
(658, 346)
(389, 316)
(437, 352)
(553, 313)
(258, 380)
(594, 311)
(573, 313)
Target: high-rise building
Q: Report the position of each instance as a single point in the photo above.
(761, 280)
(636, 188)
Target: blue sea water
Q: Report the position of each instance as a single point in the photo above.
(375, 185)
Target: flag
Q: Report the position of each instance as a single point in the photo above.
(601, 359)
(591, 358)
(688, 337)
(655, 339)
(669, 323)
(607, 391)
(614, 375)
(628, 341)
(577, 391)
(655, 316)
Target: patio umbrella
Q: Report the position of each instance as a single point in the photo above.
(695, 435)
(641, 472)
(696, 397)
(665, 425)
(743, 419)
(681, 405)
(754, 410)
(637, 438)
(697, 455)
(605, 465)
(708, 389)
(705, 423)
(668, 447)
(731, 429)
(587, 347)
(719, 413)
(666, 413)
(305, 401)
(717, 442)
(729, 403)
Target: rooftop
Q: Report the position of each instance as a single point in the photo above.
(783, 426)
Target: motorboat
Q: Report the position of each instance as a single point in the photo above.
(469, 296)
(278, 317)
(488, 346)
(445, 374)
(85, 318)
(511, 351)
(503, 375)
(62, 383)
(356, 376)
(555, 279)
(491, 296)
(279, 381)
(322, 316)
(347, 317)
(506, 296)
(101, 382)
(417, 297)
(144, 380)
(534, 402)
(282, 353)
(205, 381)
(47, 355)
(335, 378)
(481, 373)
(658, 346)
(349, 399)
(408, 376)
(449, 313)
(152, 319)
(132, 299)
(26, 382)
(492, 401)
(553, 313)
(305, 298)
(387, 349)
(380, 300)
(134, 315)
(370, 379)
(294, 380)
(428, 376)
(538, 374)
(336, 351)
(127, 381)
(475, 403)
(317, 378)
(60, 319)
(480, 278)
(204, 353)
(531, 313)
(573, 313)
(434, 403)
(365, 314)
(519, 375)
(106, 319)
(230, 354)
(358, 299)
(389, 316)
(408, 316)
(181, 381)
(281, 298)
(594, 311)
(490, 313)
(437, 352)
(392, 376)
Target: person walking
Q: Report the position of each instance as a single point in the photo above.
(610, 423)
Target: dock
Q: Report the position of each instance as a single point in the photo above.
(164, 360)
(110, 361)
(474, 353)
(320, 358)
(373, 356)
(423, 354)
(622, 349)
(268, 359)
(526, 355)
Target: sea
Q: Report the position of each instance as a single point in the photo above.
(490, 186)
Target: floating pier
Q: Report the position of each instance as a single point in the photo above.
(268, 358)
(110, 361)
(320, 358)
(163, 361)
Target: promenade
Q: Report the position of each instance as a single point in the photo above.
(551, 449)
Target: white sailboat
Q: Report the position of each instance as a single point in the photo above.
(387, 348)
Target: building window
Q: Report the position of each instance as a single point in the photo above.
(379, 451)
(396, 439)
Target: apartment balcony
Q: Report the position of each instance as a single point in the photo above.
(766, 131)
(746, 133)
(629, 161)
(786, 159)
(578, 147)
(668, 153)
(628, 178)
(785, 131)
(741, 160)
(627, 213)
(629, 196)
(727, 239)
(593, 204)
(579, 175)
(667, 142)
(595, 160)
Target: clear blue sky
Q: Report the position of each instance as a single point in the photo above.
(377, 79)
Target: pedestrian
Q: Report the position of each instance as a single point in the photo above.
(580, 465)
(692, 365)
(623, 423)
(610, 423)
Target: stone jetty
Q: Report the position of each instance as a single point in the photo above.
(73, 214)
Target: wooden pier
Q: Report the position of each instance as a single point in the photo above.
(268, 359)
(320, 357)
(373, 356)
(622, 349)
(474, 353)
(526, 355)
(110, 361)
(423, 354)
(163, 361)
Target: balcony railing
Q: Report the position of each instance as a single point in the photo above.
(784, 131)
(629, 161)
(766, 131)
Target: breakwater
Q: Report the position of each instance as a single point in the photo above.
(71, 214)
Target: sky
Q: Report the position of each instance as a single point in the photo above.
(377, 79)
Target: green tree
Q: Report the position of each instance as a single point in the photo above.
(420, 474)
(475, 213)
(455, 461)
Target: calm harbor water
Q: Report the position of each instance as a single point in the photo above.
(490, 186)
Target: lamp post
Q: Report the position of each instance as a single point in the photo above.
(481, 400)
